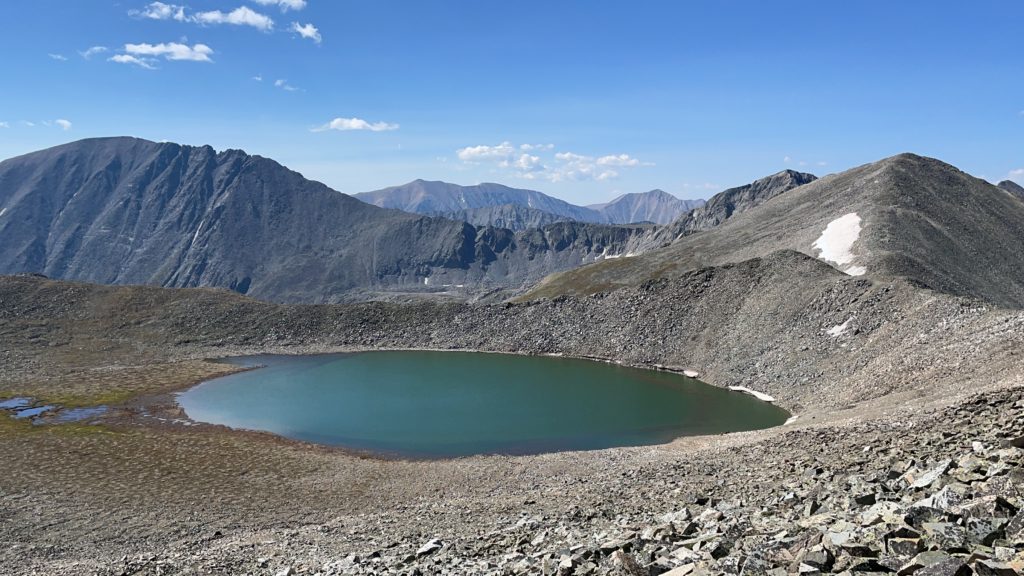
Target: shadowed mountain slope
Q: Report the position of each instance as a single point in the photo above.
(906, 216)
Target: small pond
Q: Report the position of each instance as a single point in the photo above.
(447, 404)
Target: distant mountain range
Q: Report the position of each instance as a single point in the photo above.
(517, 209)
(131, 211)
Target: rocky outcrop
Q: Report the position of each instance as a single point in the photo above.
(737, 200)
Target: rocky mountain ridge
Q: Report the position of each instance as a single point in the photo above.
(904, 217)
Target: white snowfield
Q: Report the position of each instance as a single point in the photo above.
(836, 243)
(759, 395)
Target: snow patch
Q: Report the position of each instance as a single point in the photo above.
(198, 230)
(856, 270)
(426, 281)
(790, 420)
(837, 331)
(2, 211)
(836, 243)
(759, 395)
(691, 373)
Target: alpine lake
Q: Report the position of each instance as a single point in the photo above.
(424, 404)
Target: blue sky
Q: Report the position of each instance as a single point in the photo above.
(583, 100)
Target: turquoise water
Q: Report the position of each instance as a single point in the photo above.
(446, 404)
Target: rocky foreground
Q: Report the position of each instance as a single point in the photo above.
(939, 494)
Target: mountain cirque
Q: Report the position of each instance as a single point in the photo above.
(907, 382)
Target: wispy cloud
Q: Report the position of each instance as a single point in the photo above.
(618, 160)
(129, 59)
(92, 51)
(64, 124)
(307, 31)
(559, 167)
(285, 5)
(258, 77)
(241, 16)
(58, 57)
(345, 124)
(284, 85)
(4, 125)
(1017, 175)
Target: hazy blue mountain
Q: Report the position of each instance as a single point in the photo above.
(656, 206)
(441, 198)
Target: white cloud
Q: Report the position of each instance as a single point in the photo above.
(528, 163)
(285, 5)
(64, 124)
(28, 123)
(502, 151)
(59, 57)
(129, 59)
(620, 160)
(355, 124)
(258, 77)
(284, 85)
(92, 51)
(787, 160)
(171, 51)
(241, 16)
(307, 31)
(562, 166)
(1017, 174)
(4, 125)
(160, 11)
